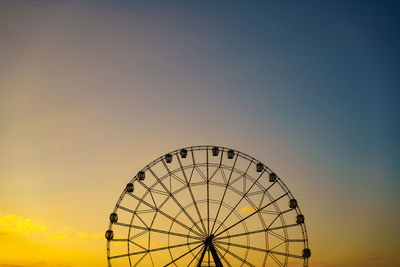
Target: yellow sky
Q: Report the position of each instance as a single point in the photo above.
(27, 242)
(63, 168)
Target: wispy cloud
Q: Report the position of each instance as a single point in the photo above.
(38, 264)
(69, 233)
(16, 224)
(13, 224)
(246, 209)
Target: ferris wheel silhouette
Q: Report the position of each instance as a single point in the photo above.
(207, 206)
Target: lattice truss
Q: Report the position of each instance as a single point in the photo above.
(207, 206)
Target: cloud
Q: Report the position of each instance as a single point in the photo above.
(13, 224)
(16, 224)
(39, 264)
(374, 258)
(69, 233)
(247, 209)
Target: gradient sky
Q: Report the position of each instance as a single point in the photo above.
(91, 92)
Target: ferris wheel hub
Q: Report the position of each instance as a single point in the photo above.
(208, 240)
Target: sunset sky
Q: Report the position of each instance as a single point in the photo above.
(92, 91)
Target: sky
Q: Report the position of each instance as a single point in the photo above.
(91, 92)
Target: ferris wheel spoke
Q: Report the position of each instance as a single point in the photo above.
(173, 197)
(195, 256)
(271, 251)
(281, 237)
(156, 230)
(151, 258)
(156, 249)
(215, 255)
(158, 191)
(241, 246)
(137, 215)
(136, 244)
(194, 164)
(206, 179)
(283, 226)
(284, 254)
(203, 253)
(279, 244)
(191, 193)
(265, 192)
(162, 213)
(208, 196)
(276, 260)
(178, 178)
(260, 231)
(243, 197)
(226, 188)
(160, 206)
(223, 176)
(234, 255)
(200, 173)
(215, 171)
(183, 255)
(138, 234)
(140, 259)
(240, 177)
(277, 216)
(119, 240)
(159, 211)
(250, 215)
(223, 258)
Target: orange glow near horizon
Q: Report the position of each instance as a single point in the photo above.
(27, 242)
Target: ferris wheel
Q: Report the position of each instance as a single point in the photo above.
(207, 206)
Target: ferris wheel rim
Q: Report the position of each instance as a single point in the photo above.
(223, 149)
